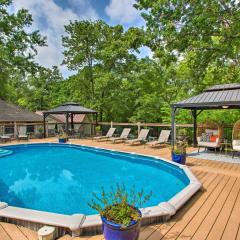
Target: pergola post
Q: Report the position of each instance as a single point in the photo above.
(72, 123)
(67, 123)
(173, 126)
(44, 124)
(194, 114)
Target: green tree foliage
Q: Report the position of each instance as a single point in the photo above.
(17, 47)
(102, 55)
(195, 44)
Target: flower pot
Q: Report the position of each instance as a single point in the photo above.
(179, 158)
(62, 140)
(113, 231)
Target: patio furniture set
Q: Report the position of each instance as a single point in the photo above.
(22, 135)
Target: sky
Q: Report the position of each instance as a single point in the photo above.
(50, 16)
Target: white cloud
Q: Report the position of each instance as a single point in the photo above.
(122, 11)
(50, 19)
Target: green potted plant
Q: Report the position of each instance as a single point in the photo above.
(182, 134)
(179, 152)
(119, 211)
(63, 138)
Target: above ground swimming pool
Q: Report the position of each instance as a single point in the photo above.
(61, 178)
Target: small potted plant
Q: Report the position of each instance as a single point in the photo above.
(182, 135)
(119, 211)
(179, 152)
(63, 138)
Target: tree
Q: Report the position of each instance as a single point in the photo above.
(100, 54)
(17, 46)
(205, 34)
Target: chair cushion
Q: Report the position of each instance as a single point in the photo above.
(213, 138)
(207, 144)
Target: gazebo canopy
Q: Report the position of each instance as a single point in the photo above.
(216, 97)
(224, 96)
(70, 107)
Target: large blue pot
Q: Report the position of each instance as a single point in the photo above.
(113, 231)
(179, 158)
(62, 140)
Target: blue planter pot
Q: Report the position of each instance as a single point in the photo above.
(179, 158)
(62, 140)
(113, 231)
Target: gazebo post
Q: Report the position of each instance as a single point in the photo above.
(67, 123)
(72, 124)
(173, 125)
(194, 114)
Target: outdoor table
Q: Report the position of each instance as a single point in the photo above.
(226, 146)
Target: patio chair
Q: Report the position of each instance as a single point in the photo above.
(123, 137)
(108, 135)
(5, 138)
(209, 135)
(235, 147)
(22, 133)
(141, 137)
(163, 139)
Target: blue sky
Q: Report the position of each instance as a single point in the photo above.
(50, 16)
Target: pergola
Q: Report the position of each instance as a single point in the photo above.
(69, 109)
(224, 96)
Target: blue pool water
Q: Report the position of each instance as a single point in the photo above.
(61, 178)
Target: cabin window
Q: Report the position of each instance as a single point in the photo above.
(9, 130)
(30, 129)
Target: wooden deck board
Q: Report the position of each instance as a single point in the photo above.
(211, 214)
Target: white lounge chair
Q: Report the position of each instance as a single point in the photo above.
(123, 136)
(235, 146)
(22, 133)
(5, 138)
(141, 137)
(108, 135)
(163, 138)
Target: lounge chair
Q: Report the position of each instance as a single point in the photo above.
(141, 137)
(5, 138)
(123, 137)
(163, 138)
(235, 147)
(22, 134)
(108, 135)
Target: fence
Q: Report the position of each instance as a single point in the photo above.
(155, 128)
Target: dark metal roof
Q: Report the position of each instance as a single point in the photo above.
(12, 113)
(70, 107)
(223, 87)
(216, 97)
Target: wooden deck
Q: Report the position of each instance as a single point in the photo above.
(213, 213)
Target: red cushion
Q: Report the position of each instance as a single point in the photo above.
(213, 138)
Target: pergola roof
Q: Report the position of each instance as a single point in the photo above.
(12, 113)
(71, 107)
(215, 97)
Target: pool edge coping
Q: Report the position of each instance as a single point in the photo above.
(163, 209)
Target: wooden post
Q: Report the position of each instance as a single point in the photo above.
(44, 125)
(139, 127)
(173, 126)
(15, 130)
(72, 123)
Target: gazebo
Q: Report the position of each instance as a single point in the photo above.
(224, 96)
(69, 109)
